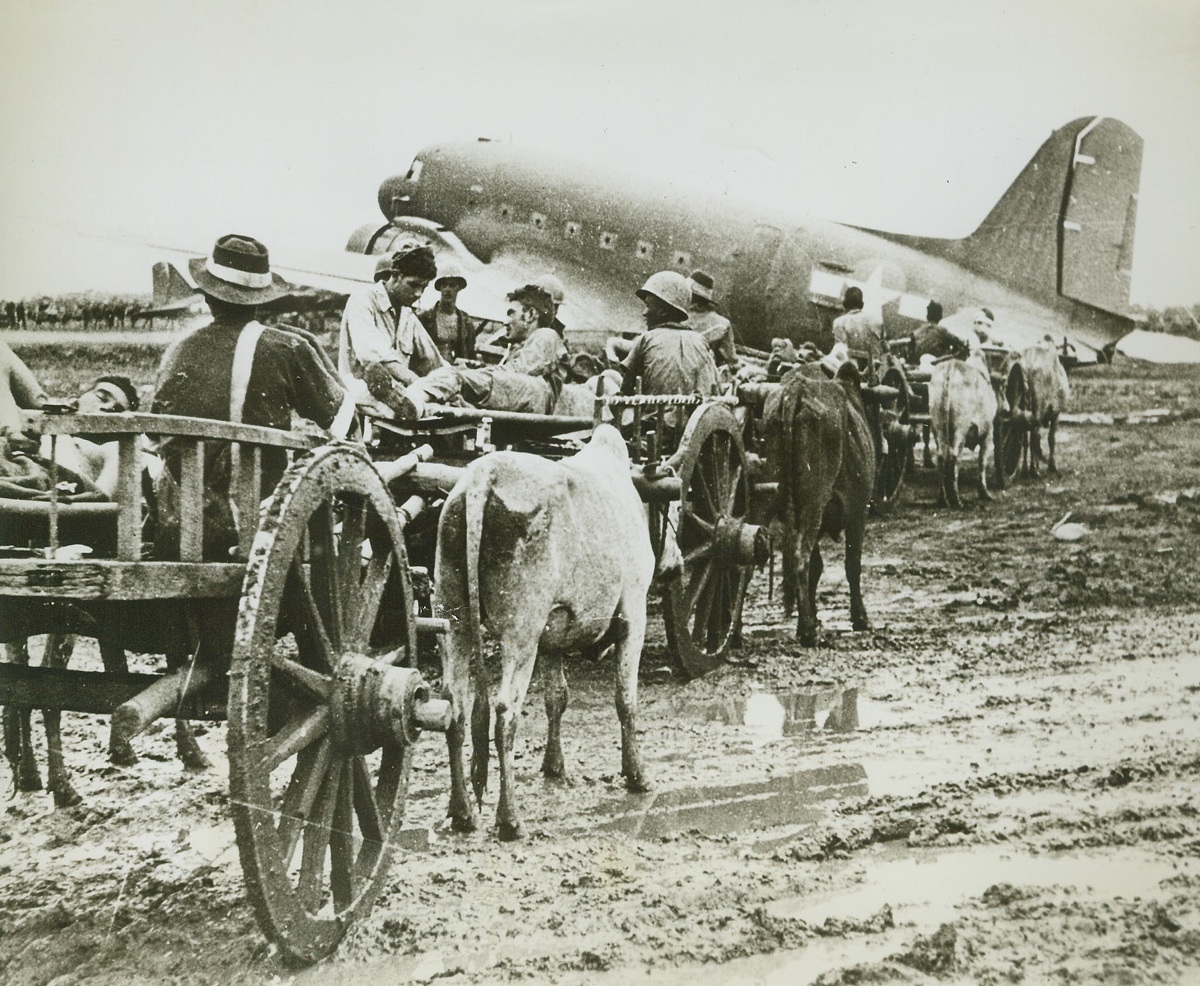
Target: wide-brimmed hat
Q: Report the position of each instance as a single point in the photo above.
(238, 271)
(702, 285)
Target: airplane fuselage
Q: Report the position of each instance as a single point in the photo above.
(776, 277)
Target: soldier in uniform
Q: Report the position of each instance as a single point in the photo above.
(704, 317)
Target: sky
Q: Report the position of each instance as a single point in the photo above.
(175, 124)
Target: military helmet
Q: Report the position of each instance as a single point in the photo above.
(552, 286)
(671, 287)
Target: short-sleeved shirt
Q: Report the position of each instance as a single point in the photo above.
(373, 332)
(18, 389)
(671, 359)
(717, 331)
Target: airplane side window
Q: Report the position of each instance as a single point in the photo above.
(538, 219)
(608, 241)
(645, 250)
(572, 230)
(414, 171)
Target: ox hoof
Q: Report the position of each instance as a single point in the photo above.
(28, 779)
(637, 784)
(65, 796)
(510, 831)
(464, 824)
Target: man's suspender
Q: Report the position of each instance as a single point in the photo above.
(239, 384)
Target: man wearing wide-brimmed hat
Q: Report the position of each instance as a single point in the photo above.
(448, 325)
(236, 369)
(704, 318)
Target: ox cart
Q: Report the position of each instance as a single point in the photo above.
(306, 638)
(910, 421)
(896, 398)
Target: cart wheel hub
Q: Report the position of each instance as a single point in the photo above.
(741, 543)
(373, 704)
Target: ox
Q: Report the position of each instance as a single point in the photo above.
(817, 431)
(550, 557)
(962, 411)
(1049, 391)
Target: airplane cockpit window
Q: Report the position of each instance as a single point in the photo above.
(414, 171)
(572, 230)
(608, 241)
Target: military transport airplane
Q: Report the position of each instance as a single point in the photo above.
(1053, 255)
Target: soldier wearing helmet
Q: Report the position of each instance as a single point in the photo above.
(448, 325)
(669, 357)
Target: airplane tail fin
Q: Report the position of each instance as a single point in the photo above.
(1066, 225)
(169, 285)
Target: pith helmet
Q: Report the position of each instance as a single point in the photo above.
(670, 287)
(448, 273)
(238, 271)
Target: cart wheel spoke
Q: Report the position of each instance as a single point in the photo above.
(309, 775)
(314, 682)
(317, 635)
(341, 841)
(379, 569)
(731, 488)
(301, 732)
(311, 885)
(370, 820)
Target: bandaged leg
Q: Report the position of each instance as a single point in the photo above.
(409, 402)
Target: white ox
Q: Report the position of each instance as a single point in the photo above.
(962, 410)
(551, 557)
(1049, 391)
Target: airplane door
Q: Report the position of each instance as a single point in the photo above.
(749, 295)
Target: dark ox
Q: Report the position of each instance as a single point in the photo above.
(552, 558)
(1049, 391)
(962, 410)
(818, 435)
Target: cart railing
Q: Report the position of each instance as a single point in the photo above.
(188, 438)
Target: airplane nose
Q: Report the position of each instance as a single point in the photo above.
(395, 194)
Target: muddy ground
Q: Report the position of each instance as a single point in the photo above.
(998, 783)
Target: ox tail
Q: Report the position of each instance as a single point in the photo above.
(476, 501)
(789, 406)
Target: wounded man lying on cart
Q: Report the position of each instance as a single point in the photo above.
(83, 468)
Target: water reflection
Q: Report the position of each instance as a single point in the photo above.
(822, 706)
(796, 799)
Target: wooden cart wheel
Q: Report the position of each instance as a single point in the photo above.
(318, 778)
(893, 446)
(703, 608)
(1011, 431)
